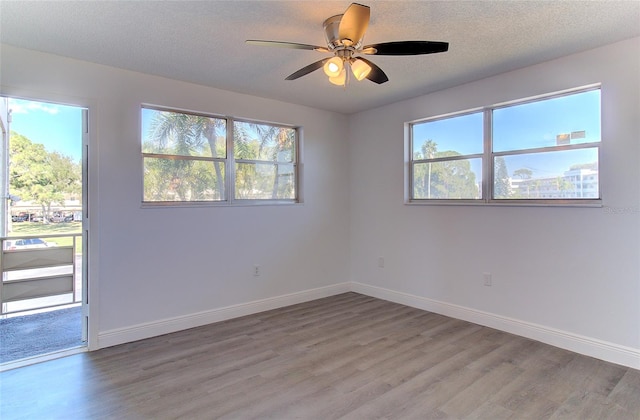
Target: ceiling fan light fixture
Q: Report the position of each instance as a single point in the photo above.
(333, 67)
(360, 69)
(340, 79)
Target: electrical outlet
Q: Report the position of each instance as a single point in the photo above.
(256, 271)
(487, 279)
(380, 262)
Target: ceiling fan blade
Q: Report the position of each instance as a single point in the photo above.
(376, 74)
(308, 69)
(283, 44)
(409, 47)
(354, 22)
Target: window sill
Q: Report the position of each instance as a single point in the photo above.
(211, 204)
(509, 203)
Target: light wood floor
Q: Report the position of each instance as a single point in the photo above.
(347, 356)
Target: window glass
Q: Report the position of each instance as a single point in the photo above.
(560, 121)
(180, 134)
(264, 181)
(460, 135)
(449, 179)
(265, 161)
(183, 180)
(253, 141)
(566, 174)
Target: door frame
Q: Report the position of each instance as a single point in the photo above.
(89, 202)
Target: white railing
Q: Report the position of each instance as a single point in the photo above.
(37, 274)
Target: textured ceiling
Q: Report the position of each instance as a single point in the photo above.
(203, 41)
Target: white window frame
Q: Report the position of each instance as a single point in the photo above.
(488, 156)
(229, 163)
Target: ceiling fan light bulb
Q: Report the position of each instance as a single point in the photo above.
(360, 69)
(333, 67)
(340, 79)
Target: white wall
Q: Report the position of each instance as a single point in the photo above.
(154, 266)
(571, 271)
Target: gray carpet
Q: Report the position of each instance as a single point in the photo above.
(38, 334)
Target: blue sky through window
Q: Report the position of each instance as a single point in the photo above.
(57, 127)
(463, 134)
(537, 124)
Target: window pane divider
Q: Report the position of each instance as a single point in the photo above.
(487, 161)
(547, 149)
(449, 158)
(183, 157)
(265, 162)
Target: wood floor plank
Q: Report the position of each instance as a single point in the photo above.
(347, 356)
(626, 393)
(417, 388)
(467, 400)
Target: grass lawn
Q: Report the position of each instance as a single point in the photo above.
(38, 229)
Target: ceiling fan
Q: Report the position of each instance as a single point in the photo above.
(344, 34)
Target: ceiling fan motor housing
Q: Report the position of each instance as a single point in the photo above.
(331, 28)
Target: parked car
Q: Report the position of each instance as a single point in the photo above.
(27, 243)
(18, 218)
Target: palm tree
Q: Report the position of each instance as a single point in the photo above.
(429, 149)
(189, 135)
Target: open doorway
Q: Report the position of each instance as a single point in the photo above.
(42, 234)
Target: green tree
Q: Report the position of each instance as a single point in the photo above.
(501, 186)
(523, 173)
(453, 178)
(42, 177)
(429, 149)
(442, 179)
(524, 187)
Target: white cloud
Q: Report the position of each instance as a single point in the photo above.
(19, 106)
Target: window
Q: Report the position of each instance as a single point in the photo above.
(197, 158)
(543, 151)
(265, 164)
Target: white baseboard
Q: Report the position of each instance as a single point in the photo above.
(166, 326)
(599, 349)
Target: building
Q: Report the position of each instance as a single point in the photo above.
(574, 183)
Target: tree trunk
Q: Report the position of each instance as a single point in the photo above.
(211, 139)
(276, 181)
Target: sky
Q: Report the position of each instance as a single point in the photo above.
(525, 126)
(57, 127)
